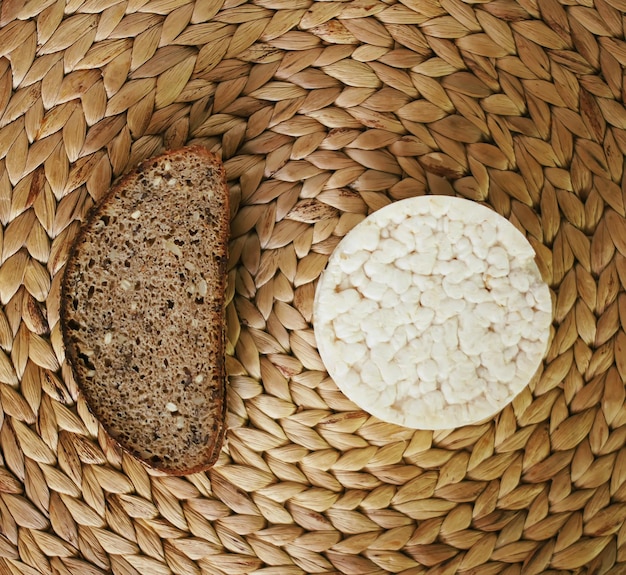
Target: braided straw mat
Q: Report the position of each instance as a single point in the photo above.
(323, 112)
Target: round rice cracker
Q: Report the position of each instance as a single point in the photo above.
(432, 313)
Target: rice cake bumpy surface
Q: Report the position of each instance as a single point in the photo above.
(432, 313)
(142, 310)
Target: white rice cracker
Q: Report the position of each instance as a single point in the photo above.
(432, 313)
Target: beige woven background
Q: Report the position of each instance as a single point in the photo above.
(322, 112)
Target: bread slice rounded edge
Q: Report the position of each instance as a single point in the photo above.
(65, 290)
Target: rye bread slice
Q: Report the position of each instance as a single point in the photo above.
(142, 310)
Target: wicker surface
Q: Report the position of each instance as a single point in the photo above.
(323, 112)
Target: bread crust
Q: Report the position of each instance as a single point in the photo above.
(212, 228)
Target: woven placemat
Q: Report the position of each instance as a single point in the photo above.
(323, 112)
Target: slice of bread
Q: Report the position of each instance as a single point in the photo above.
(142, 310)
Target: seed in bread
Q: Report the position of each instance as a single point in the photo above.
(142, 310)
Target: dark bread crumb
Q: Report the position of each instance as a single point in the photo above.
(142, 310)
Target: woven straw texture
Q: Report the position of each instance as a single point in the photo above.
(323, 112)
